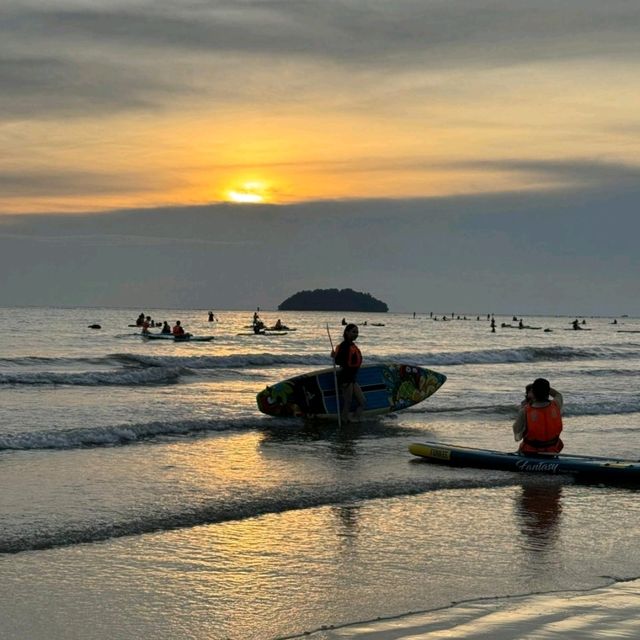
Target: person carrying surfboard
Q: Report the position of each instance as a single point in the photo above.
(349, 358)
(539, 421)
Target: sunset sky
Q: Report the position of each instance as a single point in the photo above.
(111, 105)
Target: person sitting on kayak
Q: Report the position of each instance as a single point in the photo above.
(166, 329)
(178, 331)
(539, 422)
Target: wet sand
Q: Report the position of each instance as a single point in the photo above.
(608, 612)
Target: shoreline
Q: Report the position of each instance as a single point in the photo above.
(612, 610)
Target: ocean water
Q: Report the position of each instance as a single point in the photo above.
(144, 495)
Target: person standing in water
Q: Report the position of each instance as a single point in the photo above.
(349, 358)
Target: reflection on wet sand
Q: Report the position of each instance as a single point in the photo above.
(538, 510)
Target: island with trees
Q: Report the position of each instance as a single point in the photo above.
(333, 300)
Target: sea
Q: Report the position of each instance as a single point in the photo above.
(145, 496)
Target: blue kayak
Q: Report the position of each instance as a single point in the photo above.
(592, 468)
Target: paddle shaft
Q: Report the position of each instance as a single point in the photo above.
(335, 379)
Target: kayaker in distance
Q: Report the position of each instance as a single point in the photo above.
(539, 421)
(178, 330)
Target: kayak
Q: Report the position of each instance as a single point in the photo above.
(168, 336)
(592, 468)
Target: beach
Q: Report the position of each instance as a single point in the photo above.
(611, 612)
(146, 496)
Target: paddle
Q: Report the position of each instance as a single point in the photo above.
(335, 379)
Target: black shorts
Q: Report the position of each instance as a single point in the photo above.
(347, 376)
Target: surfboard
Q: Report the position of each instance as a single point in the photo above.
(386, 387)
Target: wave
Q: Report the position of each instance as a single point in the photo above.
(253, 506)
(114, 434)
(532, 354)
(483, 356)
(135, 369)
(267, 359)
(606, 408)
(280, 429)
(606, 373)
(95, 378)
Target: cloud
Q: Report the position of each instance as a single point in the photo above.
(350, 31)
(587, 174)
(48, 87)
(70, 56)
(55, 183)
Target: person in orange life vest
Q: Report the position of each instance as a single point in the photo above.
(177, 329)
(539, 422)
(348, 357)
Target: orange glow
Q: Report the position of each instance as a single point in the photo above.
(249, 193)
(275, 154)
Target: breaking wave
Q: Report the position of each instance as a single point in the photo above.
(96, 378)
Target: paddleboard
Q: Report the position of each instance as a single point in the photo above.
(168, 336)
(264, 333)
(386, 387)
(599, 469)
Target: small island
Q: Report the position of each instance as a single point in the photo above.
(333, 300)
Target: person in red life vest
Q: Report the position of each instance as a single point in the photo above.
(146, 324)
(348, 357)
(177, 329)
(539, 422)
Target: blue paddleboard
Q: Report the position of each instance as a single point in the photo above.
(386, 387)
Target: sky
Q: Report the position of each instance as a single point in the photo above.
(443, 155)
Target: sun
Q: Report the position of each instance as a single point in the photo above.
(248, 193)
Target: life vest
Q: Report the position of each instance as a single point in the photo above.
(544, 425)
(353, 357)
(178, 331)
